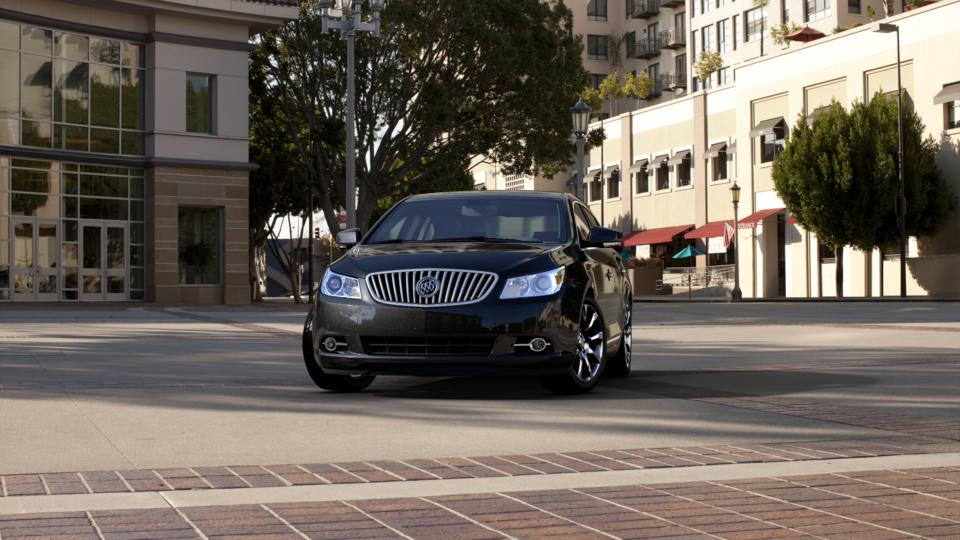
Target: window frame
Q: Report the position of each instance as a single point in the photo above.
(662, 172)
(595, 42)
(688, 164)
(814, 10)
(613, 184)
(753, 30)
(951, 115)
(642, 179)
(771, 145)
(211, 103)
(596, 15)
(595, 186)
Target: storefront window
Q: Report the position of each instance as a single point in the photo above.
(199, 246)
(56, 85)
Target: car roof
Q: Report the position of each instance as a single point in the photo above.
(490, 195)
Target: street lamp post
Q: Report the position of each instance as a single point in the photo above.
(736, 295)
(580, 113)
(888, 28)
(348, 24)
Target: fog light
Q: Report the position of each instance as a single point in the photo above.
(330, 344)
(538, 344)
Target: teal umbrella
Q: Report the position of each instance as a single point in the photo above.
(688, 251)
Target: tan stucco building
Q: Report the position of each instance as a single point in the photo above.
(668, 169)
(124, 148)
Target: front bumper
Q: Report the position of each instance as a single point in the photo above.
(507, 323)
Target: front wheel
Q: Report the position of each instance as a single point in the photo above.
(584, 373)
(619, 365)
(334, 383)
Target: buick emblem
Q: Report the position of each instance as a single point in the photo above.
(427, 287)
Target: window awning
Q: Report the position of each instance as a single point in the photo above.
(710, 230)
(655, 236)
(766, 127)
(750, 222)
(950, 92)
(714, 150)
(658, 161)
(608, 172)
(679, 157)
(638, 165)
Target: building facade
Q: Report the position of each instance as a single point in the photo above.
(124, 149)
(664, 173)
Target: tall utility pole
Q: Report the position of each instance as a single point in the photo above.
(348, 24)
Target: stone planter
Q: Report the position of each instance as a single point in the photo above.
(645, 280)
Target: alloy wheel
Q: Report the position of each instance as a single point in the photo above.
(628, 336)
(589, 345)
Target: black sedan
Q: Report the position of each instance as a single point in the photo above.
(474, 283)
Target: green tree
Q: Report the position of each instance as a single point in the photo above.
(639, 85)
(838, 176)
(706, 65)
(612, 89)
(445, 81)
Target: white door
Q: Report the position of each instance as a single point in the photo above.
(36, 267)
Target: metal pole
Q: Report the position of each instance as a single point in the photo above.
(310, 244)
(736, 295)
(581, 143)
(901, 188)
(351, 158)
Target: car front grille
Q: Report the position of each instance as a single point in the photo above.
(427, 346)
(443, 287)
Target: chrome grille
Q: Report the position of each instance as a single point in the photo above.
(453, 287)
(428, 345)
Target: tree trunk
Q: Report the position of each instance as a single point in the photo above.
(838, 253)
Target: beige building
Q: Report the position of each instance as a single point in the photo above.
(123, 148)
(664, 173)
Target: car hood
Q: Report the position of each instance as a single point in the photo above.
(501, 258)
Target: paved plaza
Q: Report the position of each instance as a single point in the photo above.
(756, 420)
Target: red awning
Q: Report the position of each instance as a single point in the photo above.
(710, 230)
(750, 222)
(655, 236)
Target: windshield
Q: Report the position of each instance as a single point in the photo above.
(475, 219)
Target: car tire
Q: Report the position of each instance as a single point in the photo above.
(619, 364)
(334, 383)
(588, 363)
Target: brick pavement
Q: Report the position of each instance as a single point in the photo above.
(253, 476)
(875, 505)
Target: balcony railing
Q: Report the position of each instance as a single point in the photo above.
(671, 3)
(672, 81)
(644, 9)
(657, 89)
(647, 48)
(674, 38)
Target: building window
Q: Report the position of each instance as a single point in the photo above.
(199, 245)
(69, 91)
(596, 79)
(613, 185)
(643, 180)
(785, 9)
(723, 76)
(718, 165)
(596, 188)
(722, 33)
(631, 39)
(953, 114)
(684, 178)
(817, 9)
(663, 175)
(705, 5)
(707, 44)
(853, 6)
(755, 21)
(597, 10)
(694, 45)
(200, 105)
(596, 47)
(773, 143)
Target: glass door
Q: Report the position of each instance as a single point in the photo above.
(35, 264)
(103, 261)
(91, 262)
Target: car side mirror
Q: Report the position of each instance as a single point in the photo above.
(603, 237)
(348, 238)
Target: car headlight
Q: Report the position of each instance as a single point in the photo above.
(334, 284)
(542, 284)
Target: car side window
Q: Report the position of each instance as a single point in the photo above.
(591, 219)
(583, 226)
